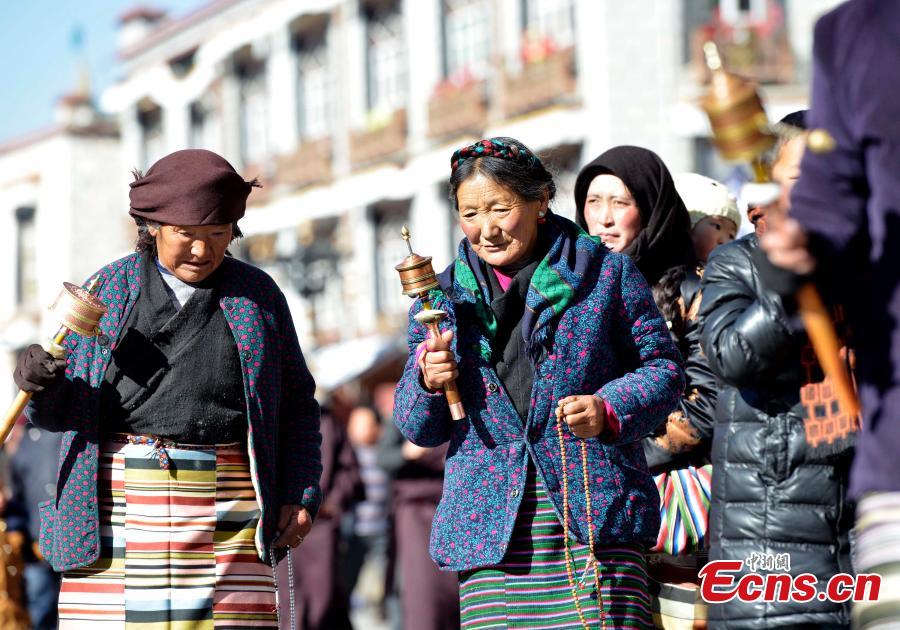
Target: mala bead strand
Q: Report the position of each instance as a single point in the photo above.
(570, 571)
(590, 520)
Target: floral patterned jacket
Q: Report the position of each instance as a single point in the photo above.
(611, 341)
(283, 417)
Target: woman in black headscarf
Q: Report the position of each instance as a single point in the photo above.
(627, 197)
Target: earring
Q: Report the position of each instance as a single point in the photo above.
(542, 217)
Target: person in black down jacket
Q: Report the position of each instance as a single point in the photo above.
(775, 489)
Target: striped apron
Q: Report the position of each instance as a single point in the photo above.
(530, 587)
(177, 526)
(876, 549)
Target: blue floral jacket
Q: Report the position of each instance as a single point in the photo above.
(609, 341)
(283, 416)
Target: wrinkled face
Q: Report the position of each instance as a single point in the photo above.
(500, 226)
(709, 233)
(192, 252)
(611, 212)
(785, 171)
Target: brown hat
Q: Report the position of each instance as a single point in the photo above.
(190, 187)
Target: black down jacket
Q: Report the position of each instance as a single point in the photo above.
(770, 493)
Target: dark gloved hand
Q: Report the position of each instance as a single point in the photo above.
(37, 369)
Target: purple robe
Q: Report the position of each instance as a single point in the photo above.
(848, 200)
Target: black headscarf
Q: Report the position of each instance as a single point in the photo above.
(665, 237)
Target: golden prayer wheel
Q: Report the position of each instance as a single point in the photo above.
(416, 273)
(739, 124)
(741, 132)
(417, 278)
(78, 311)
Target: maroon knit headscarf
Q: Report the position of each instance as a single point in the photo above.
(190, 187)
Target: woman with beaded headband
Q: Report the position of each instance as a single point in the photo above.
(563, 363)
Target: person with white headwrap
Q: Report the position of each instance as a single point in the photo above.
(715, 219)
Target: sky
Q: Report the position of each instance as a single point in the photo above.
(40, 60)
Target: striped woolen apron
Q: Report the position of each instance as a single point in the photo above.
(177, 545)
(877, 550)
(530, 588)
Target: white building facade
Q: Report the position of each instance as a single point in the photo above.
(63, 214)
(348, 112)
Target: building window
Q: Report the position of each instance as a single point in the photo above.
(314, 271)
(203, 130)
(551, 20)
(153, 143)
(254, 111)
(390, 249)
(752, 37)
(742, 12)
(182, 65)
(467, 36)
(26, 263)
(386, 59)
(329, 306)
(315, 87)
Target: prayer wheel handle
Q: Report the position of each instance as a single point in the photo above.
(417, 278)
(77, 310)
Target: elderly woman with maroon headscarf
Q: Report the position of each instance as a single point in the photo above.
(191, 453)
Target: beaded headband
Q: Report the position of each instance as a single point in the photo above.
(493, 147)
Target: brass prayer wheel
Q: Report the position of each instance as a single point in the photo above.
(739, 124)
(741, 132)
(78, 310)
(416, 273)
(417, 278)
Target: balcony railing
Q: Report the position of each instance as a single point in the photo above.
(386, 142)
(310, 164)
(455, 111)
(764, 58)
(541, 83)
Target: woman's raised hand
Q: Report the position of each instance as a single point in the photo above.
(438, 364)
